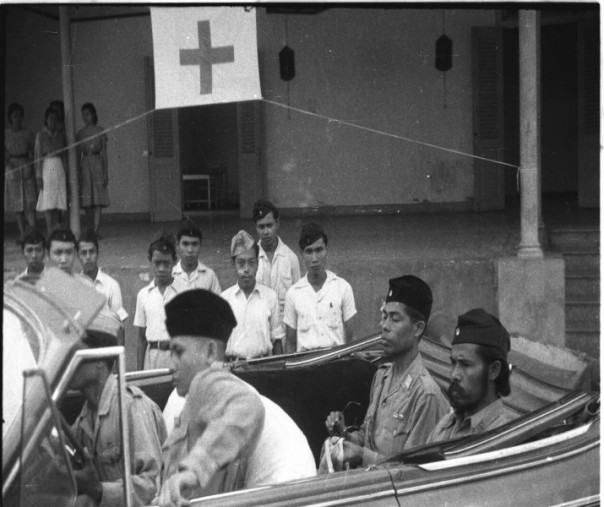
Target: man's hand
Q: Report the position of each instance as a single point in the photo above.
(173, 489)
(335, 423)
(87, 479)
(353, 454)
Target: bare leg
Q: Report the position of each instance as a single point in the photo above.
(48, 217)
(90, 222)
(20, 222)
(31, 217)
(97, 218)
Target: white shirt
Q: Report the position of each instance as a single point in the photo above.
(110, 288)
(258, 321)
(150, 312)
(281, 273)
(282, 452)
(319, 316)
(202, 277)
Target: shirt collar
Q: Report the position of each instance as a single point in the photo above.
(178, 269)
(255, 290)
(305, 283)
(279, 250)
(482, 419)
(409, 375)
(106, 397)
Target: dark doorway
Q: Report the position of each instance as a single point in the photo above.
(559, 108)
(208, 146)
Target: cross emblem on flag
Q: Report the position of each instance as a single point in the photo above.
(204, 55)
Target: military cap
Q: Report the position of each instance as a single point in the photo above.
(241, 242)
(201, 313)
(106, 321)
(482, 328)
(310, 233)
(411, 291)
(262, 207)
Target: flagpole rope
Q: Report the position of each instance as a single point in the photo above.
(73, 145)
(388, 134)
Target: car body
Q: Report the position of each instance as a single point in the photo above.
(549, 455)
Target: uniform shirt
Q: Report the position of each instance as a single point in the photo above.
(258, 321)
(109, 287)
(202, 277)
(150, 312)
(281, 454)
(402, 412)
(101, 435)
(319, 316)
(453, 426)
(280, 273)
(215, 433)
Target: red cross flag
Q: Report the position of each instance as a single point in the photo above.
(204, 55)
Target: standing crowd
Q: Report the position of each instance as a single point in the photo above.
(35, 168)
(217, 433)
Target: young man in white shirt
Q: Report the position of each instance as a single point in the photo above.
(190, 272)
(33, 247)
(88, 253)
(278, 265)
(319, 309)
(153, 349)
(259, 330)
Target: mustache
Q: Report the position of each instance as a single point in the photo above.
(455, 388)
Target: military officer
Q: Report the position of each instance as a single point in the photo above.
(405, 401)
(479, 379)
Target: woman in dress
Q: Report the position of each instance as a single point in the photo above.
(50, 171)
(92, 150)
(20, 180)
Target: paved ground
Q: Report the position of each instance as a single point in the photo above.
(366, 250)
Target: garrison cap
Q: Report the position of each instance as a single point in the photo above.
(103, 330)
(482, 328)
(241, 242)
(411, 291)
(201, 313)
(262, 207)
(106, 321)
(310, 233)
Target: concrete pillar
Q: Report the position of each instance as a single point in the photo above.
(72, 162)
(530, 137)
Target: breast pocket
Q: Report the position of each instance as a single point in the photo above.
(108, 462)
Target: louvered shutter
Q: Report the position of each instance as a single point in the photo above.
(487, 81)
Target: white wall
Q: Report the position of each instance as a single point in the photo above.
(108, 59)
(374, 68)
(109, 72)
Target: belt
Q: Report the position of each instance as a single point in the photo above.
(159, 344)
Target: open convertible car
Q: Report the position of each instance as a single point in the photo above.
(549, 455)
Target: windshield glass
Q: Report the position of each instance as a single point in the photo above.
(45, 473)
(19, 338)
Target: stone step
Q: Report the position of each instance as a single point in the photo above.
(584, 341)
(582, 262)
(580, 288)
(583, 316)
(574, 239)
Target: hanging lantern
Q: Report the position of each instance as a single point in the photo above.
(287, 64)
(444, 53)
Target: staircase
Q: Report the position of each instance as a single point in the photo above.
(580, 246)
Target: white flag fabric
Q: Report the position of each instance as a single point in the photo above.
(204, 55)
